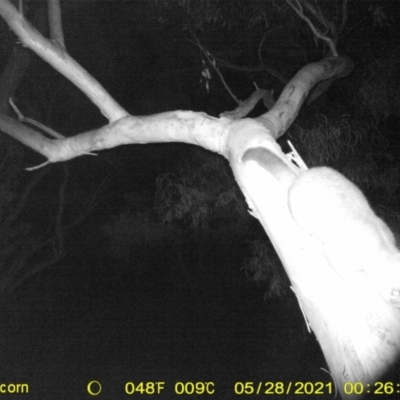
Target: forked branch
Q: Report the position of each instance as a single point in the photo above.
(58, 58)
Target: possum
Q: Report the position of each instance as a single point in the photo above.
(329, 207)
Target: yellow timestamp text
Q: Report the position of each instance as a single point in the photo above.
(376, 388)
(283, 388)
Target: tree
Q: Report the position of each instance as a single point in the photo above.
(359, 332)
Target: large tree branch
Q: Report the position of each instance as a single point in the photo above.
(177, 126)
(285, 111)
(17, 64)
(59, 59)
(174, 126)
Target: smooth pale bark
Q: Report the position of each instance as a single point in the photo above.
(358, 331)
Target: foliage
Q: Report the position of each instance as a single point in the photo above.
(327, 140)
(378, 94)
(357, 150)
(203, 188)
(368, 174)
(202, 202)
(200, 14)
(264, 266)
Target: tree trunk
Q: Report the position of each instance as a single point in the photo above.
(358, 331)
